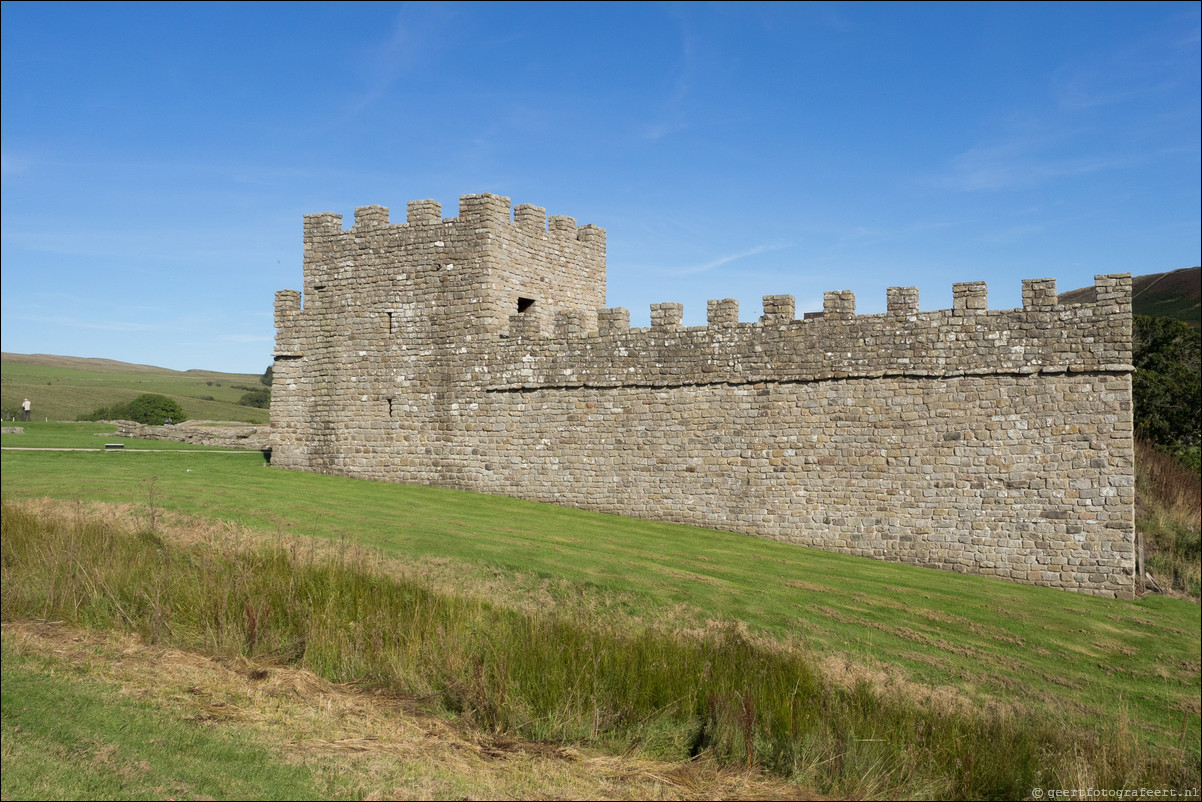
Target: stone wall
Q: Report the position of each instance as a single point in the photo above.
(206, 433)
(991, 441)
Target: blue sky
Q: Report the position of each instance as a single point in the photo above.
(157, 158)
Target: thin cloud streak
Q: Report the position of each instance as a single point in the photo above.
(70, 322)
(1018, 165)
(722, 260)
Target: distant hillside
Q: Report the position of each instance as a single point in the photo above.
(1177, 294)
(85, 363)
(64, 387)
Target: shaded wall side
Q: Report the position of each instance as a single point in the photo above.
(370, 350)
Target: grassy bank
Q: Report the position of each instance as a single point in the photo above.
(726, 693)
(146, 721)
(67, 736)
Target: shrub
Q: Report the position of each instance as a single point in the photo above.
(114, 412)
(155, 410)
(151, 409)
(260, 399)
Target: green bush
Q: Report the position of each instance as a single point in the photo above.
(149, 408)
(114, 412)
(260, 399)
(155, 410)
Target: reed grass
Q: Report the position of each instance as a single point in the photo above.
(568, 679)
(1169, 516)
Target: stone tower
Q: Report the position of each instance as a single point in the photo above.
(387, 306)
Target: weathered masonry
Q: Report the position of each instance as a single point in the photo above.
(475, 352)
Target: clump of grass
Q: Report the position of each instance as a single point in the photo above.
(573, 680)
(1169, 516)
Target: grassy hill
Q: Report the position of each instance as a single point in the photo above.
(1176, 294)
(64, 387)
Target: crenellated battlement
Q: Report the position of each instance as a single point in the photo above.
(487, 263)
(968, 339)
(475, 212)
(478, 352)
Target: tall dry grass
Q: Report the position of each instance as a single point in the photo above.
(1169, 516)
(562, 679)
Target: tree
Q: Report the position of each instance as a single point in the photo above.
(155, 410)
(1166, 385)
(266, 377)
(260, 399)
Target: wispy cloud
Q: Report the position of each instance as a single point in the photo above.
(659, 130)
(1161, 62)
(63, 321)
(12, 165)
(1093, 102)
(670, 118)
(1021, 163)
(245, 338)
(693, 270)
(419, 34)
(133, 244)
(872, 235)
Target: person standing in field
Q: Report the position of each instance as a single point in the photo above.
(25, 409)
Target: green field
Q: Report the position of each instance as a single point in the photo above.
(63, 388)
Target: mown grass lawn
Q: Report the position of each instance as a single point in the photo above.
(54, 434)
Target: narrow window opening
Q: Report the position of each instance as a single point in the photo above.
(524, 304)
(389, 324)
(389, 407)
